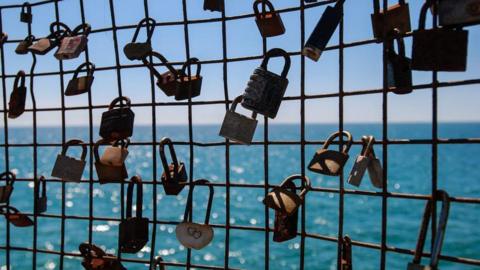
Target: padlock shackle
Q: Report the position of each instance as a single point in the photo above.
(367, 146)
(158, 261)
(236, 101)
(346, 252)
(19, 77)
(400, 44)
(376, 5)
(8, 210)
(120, 100)
(29, 38)
(9, 178)
(82, 29)
(423, 14)
(274, 53)
(150, 24)
(305, 180)
(164, 62)
(441, 228)
(422, 234)
(26, 8)
(124, 143)
(267, 3)
(75, 142)
(189, 62)
(189, 207)
(135, 181)
(173, 155)
(66, 31)
(90, 70)
(40, 182)
(96, 146)
(337, 134)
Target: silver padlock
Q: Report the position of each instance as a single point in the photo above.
(72, 46)
(361, 163)
(459, 12)
(375, 170)
(68, 168)
(238, 127)
(116, 154)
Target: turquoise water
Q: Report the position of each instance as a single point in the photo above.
(409, 172)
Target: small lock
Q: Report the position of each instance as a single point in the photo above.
(80, 85)
(265, 90)
(331, 162)
(375, 170)
(214, 5)
(346, 261)
(68, 168)
(16, 105)
(399, 72)
(237, 127)
(72, 46)
(7, 189)
(117, 123)
(15, 217)
(285, 226)
(269, 22)
(189, 86)
(388, 23)
(458, 12)
(138, 50)
(108, 173)
(287, 202)
(26, 13)
(58, 31)
(157, 262)
(40, 196)
(117, 154)
(22, 47)
(94, 258)
(166, 81)
(174, 176)
(367, 161)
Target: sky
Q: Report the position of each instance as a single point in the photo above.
(362, 66)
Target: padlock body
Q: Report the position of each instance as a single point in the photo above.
(168, 83)
(459, 12)
(117, 124)
(283, 200)
(358, 170)
(188, 87)
(5, 193)
(270, 25)
(413, 266)
(137, 50)
(285, 226)
(42, 46)
(19, 220)
(79, 85)
(71, 47)
(176, 185)
(114, 156)
(328, 162)
(133, 234)
(26, 17)
(110, 174)
(399, 73)
(396, 18)
(41, 205)
(214, 5)
(375, 172)
(68, 169)
(16, 105)
(238, 128)
(22, 47)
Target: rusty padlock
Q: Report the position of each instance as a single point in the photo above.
(285, 226)
(158, 262)
(362, 162)
(331, 162)
(16, 105)
(399, 72)
(3, 38)
(387, 23)
(166, 81)
(7, 189)
(46, 44)
(117, 123)
(106, 172)
(80, 85)
(189, 86)
(438, 49)
(174, 176)
(15, 217)
(134, 230)
(72, 46)
(116, 154)
(94, 258)
(68, 168)
(26, 13)
(283, 200)
(458, 12)
(214, 5)
(22, 47)
(268, 21)
(40, 198)
(346, 262)
(265, 90)
(138, 50)
(238, 127)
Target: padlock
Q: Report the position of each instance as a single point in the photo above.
(195, 235)
(399, 72)
(375, 170)
(15, 217)
(108, 173)
(134, 230)
(68, 168)
(138, 50)
(362, 162)
(346, 262)
(331, 162)
(323, 31)
(40, 198)
(269, 22)
(458, 12)
(166, 81)
(385, 24)
(46, 44)
(283, 200)
(3, 38)
(214, 5)
(94, 258)
(174, 176)
(16, 105)
(80, 85)
(238, 127)
(285, 226)
(73, 45)
(117, 123)
(26, 13)
(265, 90)
(22, 47)
(189, 86)
(7, 189)
(116, 154)
(158, 262)
(438, 49)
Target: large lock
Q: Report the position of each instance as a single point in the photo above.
(214, 5)
(116, 154)
(458, 12)
(238, 127)
(331, 162)
(108, 173)
(68, 168)
(399, 72)
(7, 189)
(46, 44)
(323, 31)
(269, 22)
(157, 262)
(174, 176)
(22, 47)
(395, 18)
(117, 123)
(15, 217)
(285, 226)
(191, 234)
(265, 90)
(283, 200)
(166, 81)
(134, 230)
(94, 258)
(71, 46)
(26, 13)
(440, 49)
(138, 50)
(16, 105)
(80, 85)
(189, 86)
(40, 196)
(346, 261)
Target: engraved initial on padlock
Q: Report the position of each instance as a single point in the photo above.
(269, 22)
(7, 189)
(22, 47)
(238, 127)
(68, 168)
(79, 85)
(174, 176)
(387, 23)
(16, 105)
(399, 72)
(167, 81)
(72, 46)
(107, 172)
(189, 86)
(40, 196)
(138, 50)
(285, 201)
(331, 162)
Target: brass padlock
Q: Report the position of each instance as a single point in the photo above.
(26, 13)
(438, 49)
(106, 172)
(138, 50)
(68, 168)
(22, 47)
(80, 85)
(58, 31)
(189, 86)
(268, 21)
(285, 226)
(331, 162)
(346, 262)
(134, 230)
(116, 154)
(265, 90)
(458, 12)
(191, 234)
(72, 46)
(282, 200)
(16, 105)
(214, 5)
(15, 217)
(40, 198)
(166, 81)
(399, 72)
(94, 258)
(3, 38)
(157, 262)
(386, 23)
(362, 162)
(174, 176)
(7, 189)
(237, 127)
(117, 123)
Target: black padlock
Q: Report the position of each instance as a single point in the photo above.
(331, 162)
(22, 47)
(26, 13)
(71, 46)
(174, 176)
(395, 20)
(269, 23)
(58, 31)
(458, 12)
(166, 81)
(16, 105)
(285, 226)
(137, 50)
(94, 258)
(3, 38)
(117, 123)
(399, 72)
(80, 85)
(214, 5)
(7, 189)
(108, 173)
(346, 262)
(438, 49)
(134, 230)
(189, 86)
(323, 31)
(265, 90)
(40, 198)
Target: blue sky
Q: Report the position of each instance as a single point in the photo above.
(363, 65)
